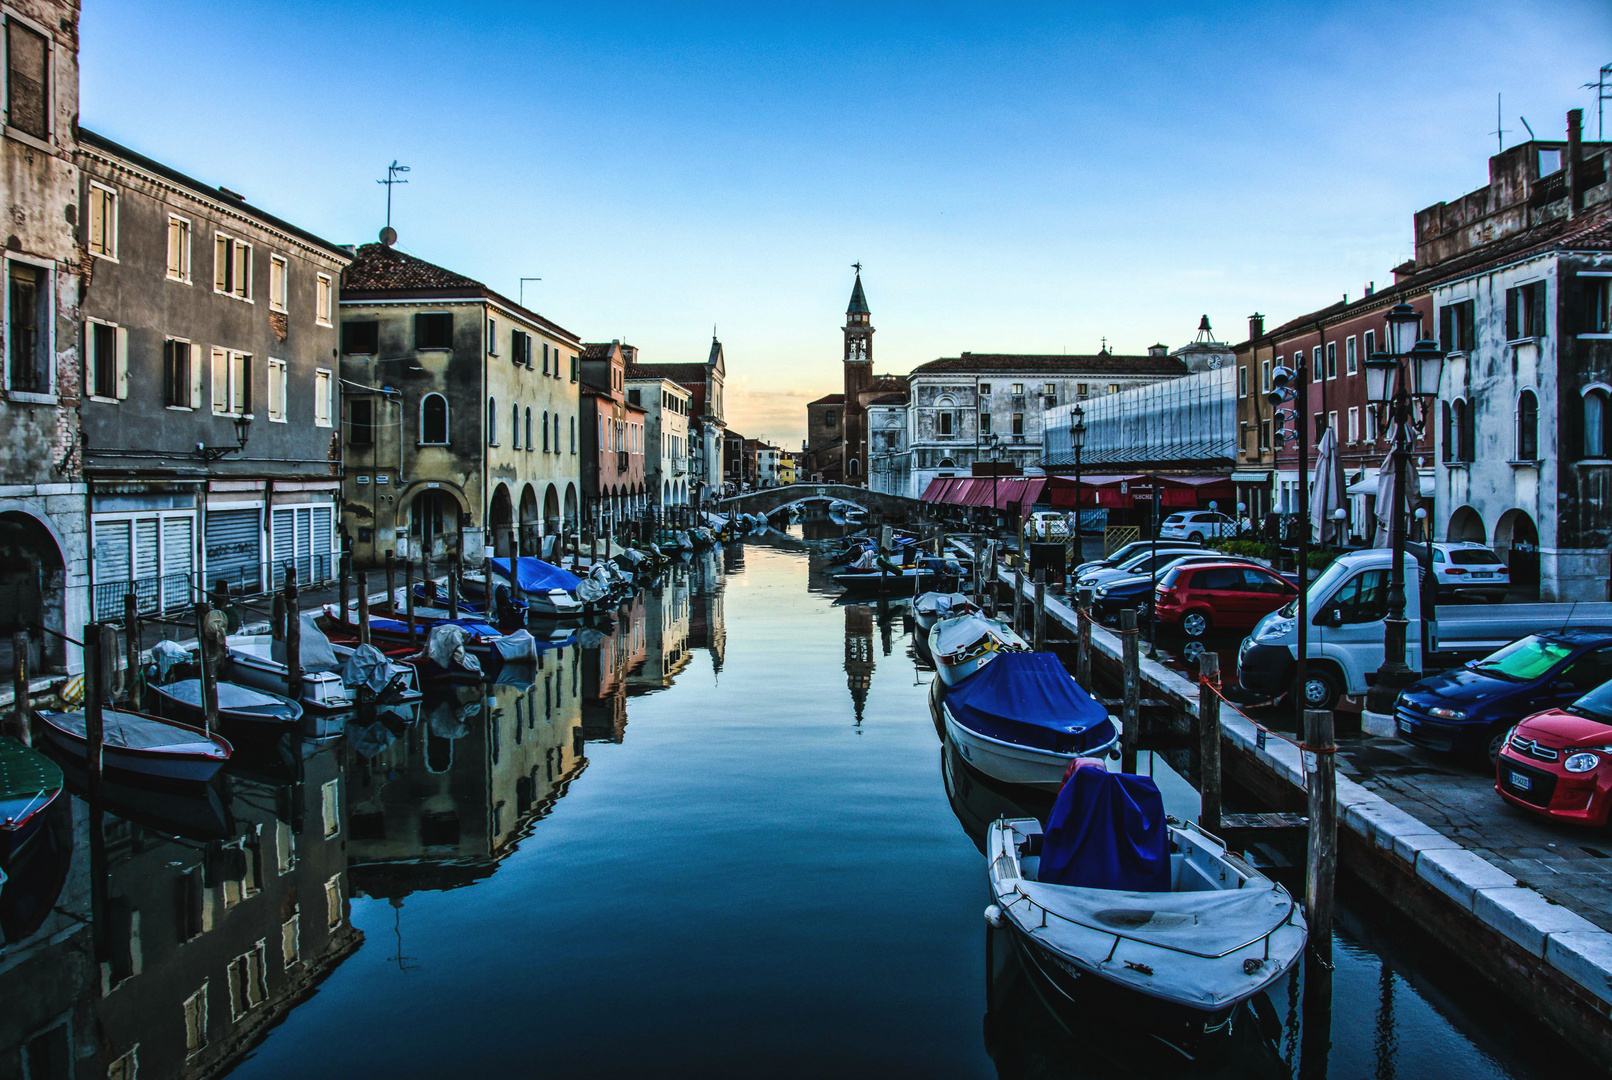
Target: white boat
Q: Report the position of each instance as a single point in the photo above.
(965, 643)
(1176, 961)
(255, 711)
(258, 661)
(931, 607)
(141, 745)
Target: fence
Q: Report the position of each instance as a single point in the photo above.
(172, 593)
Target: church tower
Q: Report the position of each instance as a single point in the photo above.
(858, 330)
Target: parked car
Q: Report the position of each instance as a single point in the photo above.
(1046, 525)
(1125, 554)
(1558, 763)
(1470, 570)
(1469, 710)
(1199, 595)
(1196, 525)
(1116, 594)
(1140, 563)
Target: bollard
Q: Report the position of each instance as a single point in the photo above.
(1209, 740)
(341, 587)
(1040, 611)
(1131, 711)
(391, 581)
(20, 720)
(363, 607)
(293, 638)
(94, 689)
(1018, 600)
(1320, 768)
(408, 596)
(1083, 651)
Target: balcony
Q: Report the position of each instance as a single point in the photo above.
(679, 466)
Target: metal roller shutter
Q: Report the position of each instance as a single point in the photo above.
(178, 561)
(234, 549)
(285, 545)
(323, 567)
(114, 560)
(147, 562)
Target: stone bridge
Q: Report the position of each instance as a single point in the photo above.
(769, 501)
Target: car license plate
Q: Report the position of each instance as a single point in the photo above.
(1407, 726)
(1521, 782)
(1482, 574)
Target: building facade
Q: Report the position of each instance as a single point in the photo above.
(461, 423)
(704, 383)
(209, 437)
(823, 456)
(612, 437)
(862, 386)
(889, 463)
(666, 408)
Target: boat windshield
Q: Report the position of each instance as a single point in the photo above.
(1595, 705)
(1524, 660)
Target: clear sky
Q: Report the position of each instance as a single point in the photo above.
(1014, 178)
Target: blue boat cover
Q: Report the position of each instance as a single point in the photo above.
(1029, 699)
(537, 576)
(1107, 831)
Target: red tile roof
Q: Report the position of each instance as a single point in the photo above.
(1102, 363)
(378, 272)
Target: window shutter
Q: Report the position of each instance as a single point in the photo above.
(1536, 301)
(192, 357)
(123, 363)
(1512, 331)
(220, 381)
(170, 387)
(221, 259)
(419, 330)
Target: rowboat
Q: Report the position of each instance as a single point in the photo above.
(253, 711)
(963, 644)
(1023, 720)
(931, 607)
(29, 783)
(254, 663)
(140, 745)
(1123, 914)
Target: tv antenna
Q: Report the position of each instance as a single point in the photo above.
(1603, 94)
(524, 280)
(392, 171)
(1499, 132)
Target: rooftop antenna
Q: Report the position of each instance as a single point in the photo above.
(1603, 93)
(389, 234)
(1499, 132)
(524, 280)
(1531, 136)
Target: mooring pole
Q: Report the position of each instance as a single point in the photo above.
(408, 595)
(363, 607)
(95, 685)
(1320, 768)
(391, 579)
(341, 587)
(209, 652)
(293, 638)
(1018, 599)
(1040, 611)
(1131, 711)
(453, 586)
(1209, 740)
(1083, 654)
(20, 726)
(131, 646)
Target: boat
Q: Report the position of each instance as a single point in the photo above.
(962, 644)
(252, 710)
(550, 591)
(1023, 719)
(885, 578)
(140, 745)
(29, 783)
(256, 660)
(1119, 910)
(931, 607)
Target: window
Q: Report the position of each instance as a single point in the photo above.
(277, 391)
(232, 383)
(492, 337)
(1332, 422)
(361, 337)
(103, 222)
(1242, 382)
(1018, 388)
(1354, 423)
(1265, 376)
(1370, 345)
(324, 296)
(1595, 421)
(291, 940)
(196, 1020)
(1081, 389)
(1316, 370)
(126, 1066)
(546, 359)
(830, 419)
(1113, 388)
(1351, 359)
(1264, 435)
(330, 806)
(28, 328)
(1525, 312)
(573, 360)
(1597, 305)
(1455, 327)
(985, 388)
(28, 89)
(943, 425)
(492, 421)
(529, 446)
(1461, 430)
(232, 266)
(247, 989)
(322, 386)
(985, 423)
(433, 420)
(279, 271)
(1364, 597)
(1527, 427)
(546, 431)
(333, 905)
(515, 426)
(573, 434)
(178, 249)
(285, 843)
(520, 350)
(433, 331)
(361, 422)
(108, 361)
(1332, 359)
(1018, 425)
(181, 381)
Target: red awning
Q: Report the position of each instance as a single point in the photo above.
(998, 491)
(1136, 489)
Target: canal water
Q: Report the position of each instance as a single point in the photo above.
(719, 837)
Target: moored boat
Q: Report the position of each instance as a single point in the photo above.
(962, 644)
(29, 783)
(140, 745)
(550, 591)
(931, 607)
(253, 711)
(1023, 719)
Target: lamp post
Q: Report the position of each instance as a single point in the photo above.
(1402, 383)
(993, 442)
(1077, 439)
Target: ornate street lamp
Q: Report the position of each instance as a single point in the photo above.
(1077, 439)
(243, 428)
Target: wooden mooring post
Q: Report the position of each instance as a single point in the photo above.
(209, 654)
(1131, 711)
(391, 580)
(408, 595)
(1320, 769)
(131, 646)
(97, 683)
(1083, 648)
(21, 729)
(363, 607)
(293, 638)
(453, 584)
(1209, 740)
(1040, 611)
(1018, 599)
(341, 587)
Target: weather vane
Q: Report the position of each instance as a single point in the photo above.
(858, 267)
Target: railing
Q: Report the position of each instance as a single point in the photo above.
(679, 466)
(172, 593)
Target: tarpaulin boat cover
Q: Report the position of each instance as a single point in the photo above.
(1029, 699)
(537, 576)
(367, 666)
(518, 647)
(1107, 831)
(938, 603)
(315, 652)
(446, 646)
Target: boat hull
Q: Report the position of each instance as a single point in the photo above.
(158, 766)
(953, 673)
(320, 689)
(1010, 762)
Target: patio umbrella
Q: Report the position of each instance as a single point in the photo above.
(1326, 490)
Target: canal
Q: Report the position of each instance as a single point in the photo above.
(719, 837)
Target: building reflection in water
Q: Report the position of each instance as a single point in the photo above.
(858, 655)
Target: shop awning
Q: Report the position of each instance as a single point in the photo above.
(999, 491)
(1367, 484)
(1251, 477)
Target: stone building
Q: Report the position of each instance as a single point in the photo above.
(824, 452)
(612, 436)
(209, 439)
(706, 425)
(889, 464)
(44, 563)
(666, 408)
(461, 414)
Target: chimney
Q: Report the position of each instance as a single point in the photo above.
(1575, 171)
(1256, 326)
(1371, 287)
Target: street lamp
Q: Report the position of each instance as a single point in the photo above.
(993, 441)
(1077, 439)
(243, 427)
(1401, 384)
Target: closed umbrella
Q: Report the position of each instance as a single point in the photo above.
(1326, 491)
(1385, 497)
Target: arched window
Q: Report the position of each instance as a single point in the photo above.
(1457, 430)
(1595, 421)
(545, 431)
(528, 427)
(515, 426)
(433, 420)
(492, 421)
(854, 468)
(1527, 427)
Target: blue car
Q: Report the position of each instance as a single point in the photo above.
(1468, 710)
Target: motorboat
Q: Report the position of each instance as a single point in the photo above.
(550, 591)
(1023, 719)
(29, 783)
(962, 644)
(1120, 911)
(250, 710)
(140, 745)
(931, 607)
(253, 662)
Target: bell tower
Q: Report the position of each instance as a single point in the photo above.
(858, 331)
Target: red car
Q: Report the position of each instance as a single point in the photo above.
(1558, 763)
(1199, 597)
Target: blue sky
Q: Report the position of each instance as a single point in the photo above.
(1014, 178)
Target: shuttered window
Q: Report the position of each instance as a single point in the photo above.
(234, 548)
(302, 539)
(27, 80)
